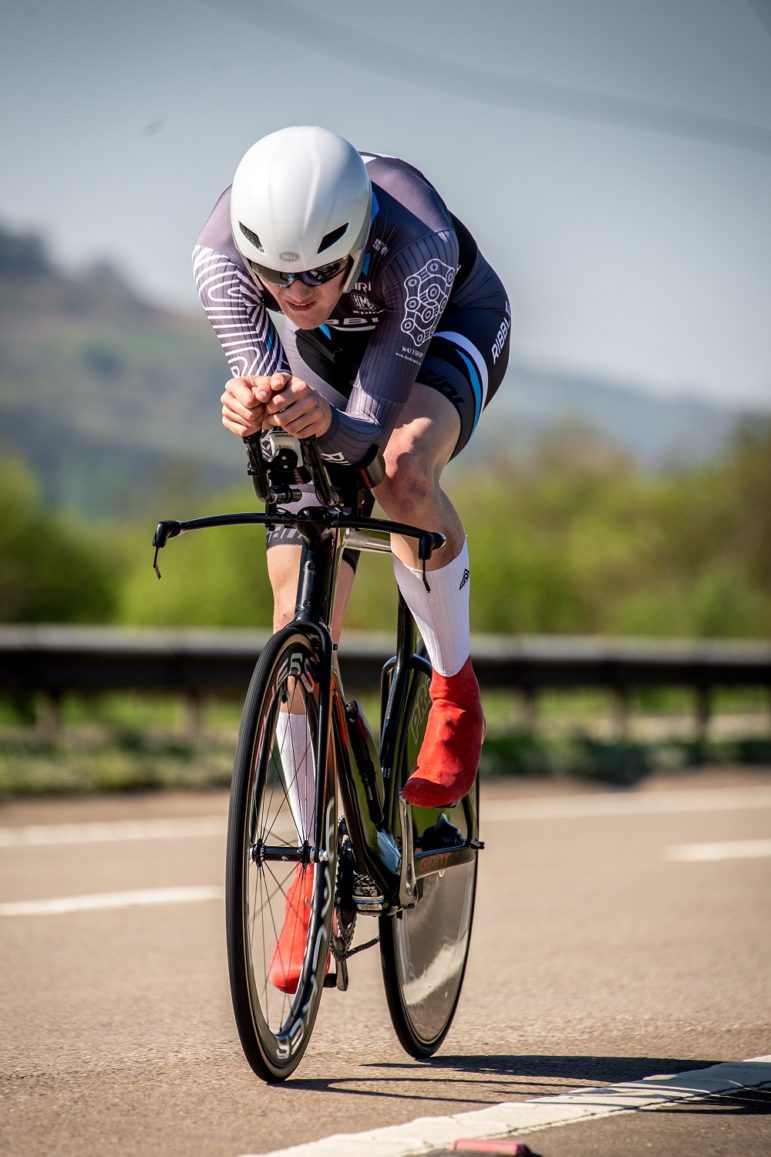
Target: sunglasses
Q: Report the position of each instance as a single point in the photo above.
(310, 277)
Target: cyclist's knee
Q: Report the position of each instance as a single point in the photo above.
(411, 482)
(283, 613)
(283, 569)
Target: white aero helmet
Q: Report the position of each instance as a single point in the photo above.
(301, 201)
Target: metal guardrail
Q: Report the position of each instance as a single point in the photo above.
(53, 661)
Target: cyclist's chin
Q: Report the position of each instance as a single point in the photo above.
(306, 316)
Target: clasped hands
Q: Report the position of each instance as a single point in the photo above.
(257, 402)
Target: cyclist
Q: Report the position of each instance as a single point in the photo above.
(394, 330)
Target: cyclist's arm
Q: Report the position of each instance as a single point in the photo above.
(415, 287)
(233, 303)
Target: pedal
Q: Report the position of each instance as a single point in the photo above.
(370, 907)
(367, 897)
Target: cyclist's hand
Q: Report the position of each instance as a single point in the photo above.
(243, 404)
(297, 407)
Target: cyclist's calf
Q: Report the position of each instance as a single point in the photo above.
(283, 572)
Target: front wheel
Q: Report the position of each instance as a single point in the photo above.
(424, 949)
(278, 903)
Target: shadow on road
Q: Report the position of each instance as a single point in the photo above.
(484, 1079)
(607, 1070)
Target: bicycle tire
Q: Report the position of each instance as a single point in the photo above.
(263, 893)
(424, 949)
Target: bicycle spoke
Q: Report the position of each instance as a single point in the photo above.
(273, 904)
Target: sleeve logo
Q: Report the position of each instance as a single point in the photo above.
(427, 294)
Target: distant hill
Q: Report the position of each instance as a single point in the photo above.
(102, 393)
(657, 432)
(110, 399)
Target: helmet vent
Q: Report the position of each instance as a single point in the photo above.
(330, 238)
(250, 236)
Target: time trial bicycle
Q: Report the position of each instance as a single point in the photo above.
(318, 829)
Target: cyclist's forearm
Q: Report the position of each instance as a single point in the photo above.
(351, 435)
(237, 315)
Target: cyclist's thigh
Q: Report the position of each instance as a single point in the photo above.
(427, 432)
(466, 360)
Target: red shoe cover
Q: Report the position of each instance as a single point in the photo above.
(287, 959)
(449, 756)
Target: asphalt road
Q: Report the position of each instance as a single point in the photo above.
(617, 937)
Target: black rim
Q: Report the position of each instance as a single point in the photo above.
(268, 873)
(423, 981)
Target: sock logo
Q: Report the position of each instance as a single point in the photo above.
(464, 580)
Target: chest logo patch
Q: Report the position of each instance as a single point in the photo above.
(427, 294)
(363, 303)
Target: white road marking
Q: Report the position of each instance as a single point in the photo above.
(431, 1133)
(729, 850)
(111, 832)
(629, 803)
(541, 808)
(63, 905)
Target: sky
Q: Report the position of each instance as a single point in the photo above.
(612, 157)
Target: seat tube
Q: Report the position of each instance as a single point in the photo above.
(406, 632)
(392, 723)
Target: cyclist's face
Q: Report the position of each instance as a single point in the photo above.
(309, 306)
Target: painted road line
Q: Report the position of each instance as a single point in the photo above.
(541, 808)
(48, 835)
(148, 897)
(430, 1133)
(728, 850)
(630, 803)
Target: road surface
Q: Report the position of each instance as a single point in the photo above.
(618, 936)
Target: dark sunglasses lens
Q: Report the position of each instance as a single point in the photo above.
(324, 272)
(309, 277)
(272, 276)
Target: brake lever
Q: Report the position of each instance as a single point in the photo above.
(163, 532)
(325, 491)
(428, 542)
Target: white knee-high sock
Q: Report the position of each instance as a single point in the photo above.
(442, 614)
(297, 765)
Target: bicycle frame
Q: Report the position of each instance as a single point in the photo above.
(373, 826)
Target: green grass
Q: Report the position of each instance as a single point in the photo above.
(83, 764)
(615, 762)
(129, 742)
(97, 760)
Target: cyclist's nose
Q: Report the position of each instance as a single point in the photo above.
(299, 292)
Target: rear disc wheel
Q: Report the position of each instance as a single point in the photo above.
(424, 949)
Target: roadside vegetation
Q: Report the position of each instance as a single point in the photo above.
(129, 743)
(572, 539)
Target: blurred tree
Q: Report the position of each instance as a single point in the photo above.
(749, 474)
(50, 571)
(214, 578)
(571, 539)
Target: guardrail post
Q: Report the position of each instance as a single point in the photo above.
(703, 713)
(49, 713)
(620, 712)
(194, 705)
(529, 710)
